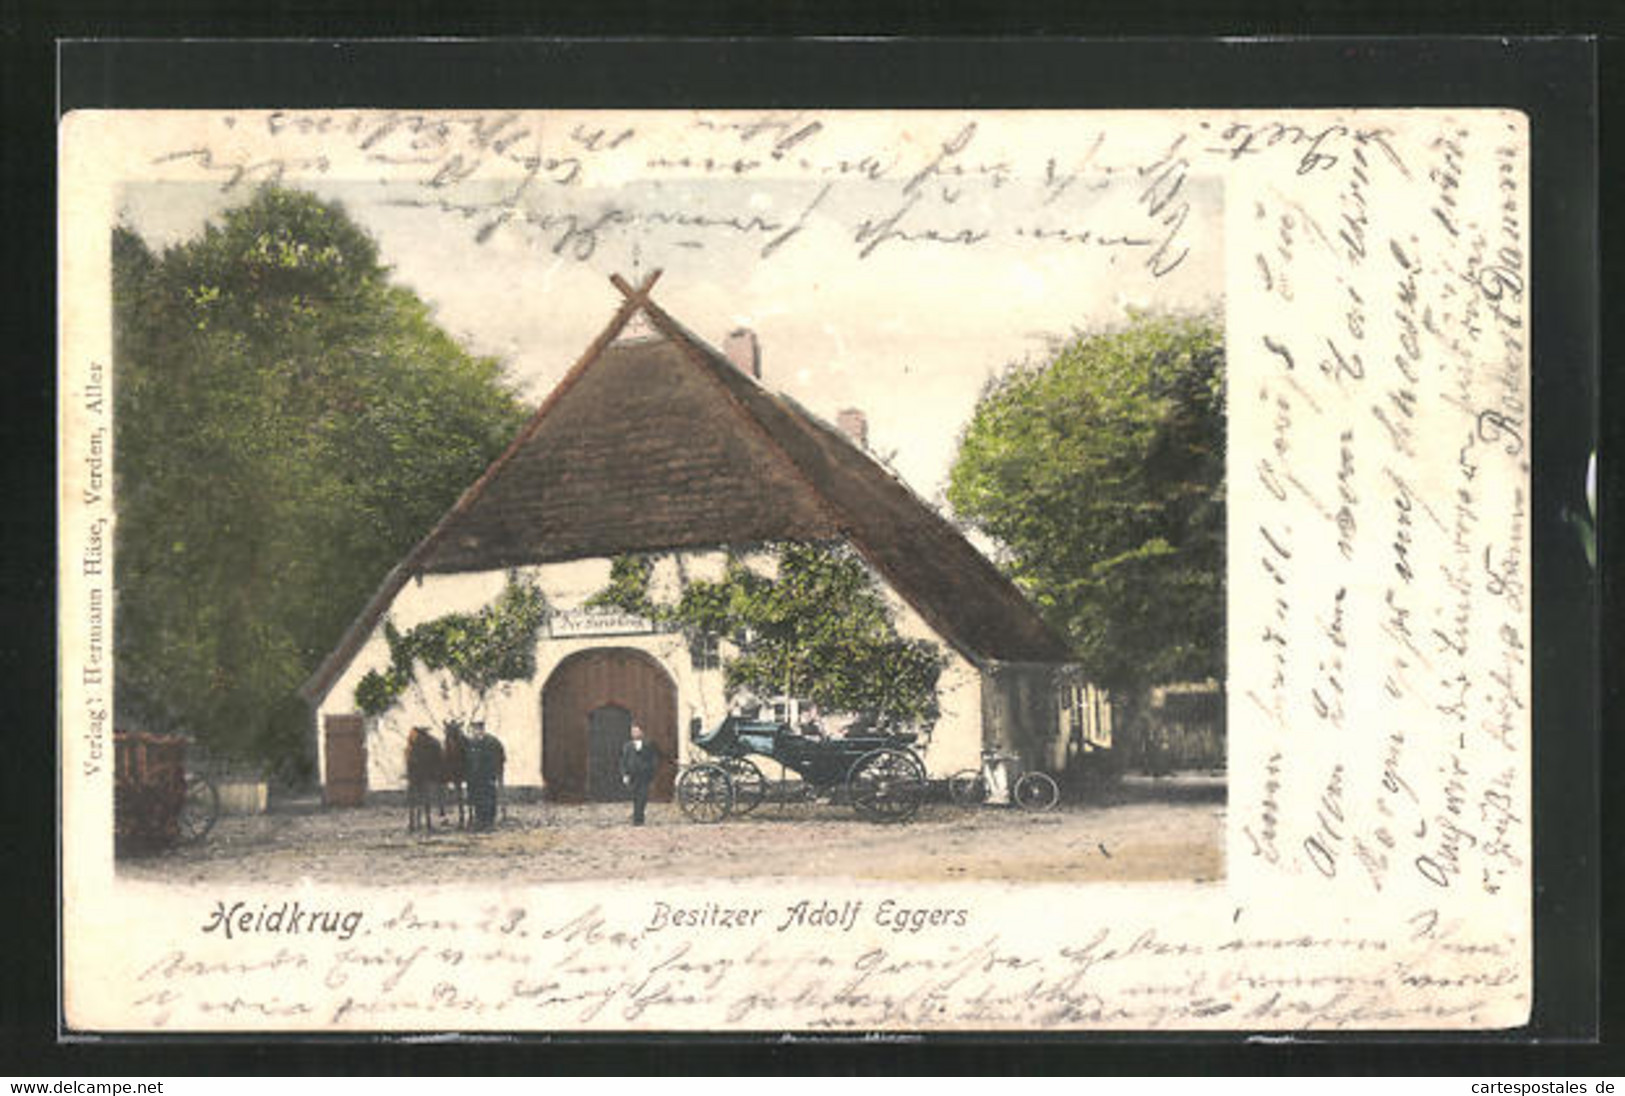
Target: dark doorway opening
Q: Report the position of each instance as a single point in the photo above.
(608, 729)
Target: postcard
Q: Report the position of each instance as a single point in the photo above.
(800, 571)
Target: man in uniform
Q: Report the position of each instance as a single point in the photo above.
(638, 761)
(486, 760)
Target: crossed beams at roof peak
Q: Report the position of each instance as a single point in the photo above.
(635, 297)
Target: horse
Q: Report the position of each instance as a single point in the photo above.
(425, 764)
(454, 771)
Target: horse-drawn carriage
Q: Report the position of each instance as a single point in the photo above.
(877, 771)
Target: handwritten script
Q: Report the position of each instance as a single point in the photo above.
(1382, 513)
(518, 966)
(951, 183)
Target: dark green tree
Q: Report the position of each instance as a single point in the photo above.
(289, 423)
(819, 629)
(1101, 474)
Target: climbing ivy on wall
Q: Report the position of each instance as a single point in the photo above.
(456, 661)
(819, 630)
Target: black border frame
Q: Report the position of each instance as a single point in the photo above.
(1554, 81)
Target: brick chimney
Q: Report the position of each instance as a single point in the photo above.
(855, 425)
(741, 348)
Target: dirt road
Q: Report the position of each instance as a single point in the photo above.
(1162, 830)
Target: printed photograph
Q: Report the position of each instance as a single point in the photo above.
(796, 570)
(742, 496)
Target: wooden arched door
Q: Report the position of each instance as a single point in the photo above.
(583, 722)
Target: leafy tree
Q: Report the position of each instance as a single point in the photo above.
(289, 423)
(455, 662)
(819, 630)
(1101, 473)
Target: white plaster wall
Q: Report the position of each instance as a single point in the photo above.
(514, 712)
(956, 741)
(421, 599)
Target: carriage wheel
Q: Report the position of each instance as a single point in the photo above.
(886, 785)
(705, 793)
(199, 810)
(967, 788)
(1036, 792)
(749, 785)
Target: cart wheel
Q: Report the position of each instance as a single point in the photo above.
(967, 788)
(886, 785)
(705, 793)
(750, 786)
(1036, 792)
(199, 810)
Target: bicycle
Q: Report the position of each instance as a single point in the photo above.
(1031, 791)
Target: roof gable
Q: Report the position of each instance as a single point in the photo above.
(645, 452)
(660, 444)
(929, 562)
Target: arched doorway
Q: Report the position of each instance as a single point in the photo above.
(589, 704)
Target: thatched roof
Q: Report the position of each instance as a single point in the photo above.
(660, 443)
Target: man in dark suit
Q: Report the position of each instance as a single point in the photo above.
(638, 761)
(485, 760)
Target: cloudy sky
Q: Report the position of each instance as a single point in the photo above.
(896, 286)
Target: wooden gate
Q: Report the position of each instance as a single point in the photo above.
(1183, 729)
(345, 742)
(583, 686)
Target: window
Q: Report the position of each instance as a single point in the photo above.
(705, 652)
